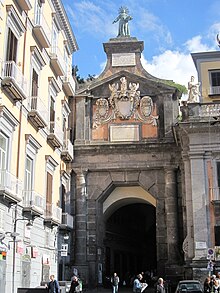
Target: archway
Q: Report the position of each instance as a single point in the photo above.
(130, 232)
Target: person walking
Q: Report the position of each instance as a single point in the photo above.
(137, 286)
(53, 285)
(207, 285)
(160, 286)
(115, 282)
(74, 284)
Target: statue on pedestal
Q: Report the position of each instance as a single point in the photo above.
(123, 18)
(194, 92)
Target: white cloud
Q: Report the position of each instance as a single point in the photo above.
(177, 65)
(195, 45)
(91, 18)
(148, 23)
(171, 65)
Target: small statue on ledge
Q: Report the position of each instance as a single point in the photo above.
(194, 92)
(123, 18)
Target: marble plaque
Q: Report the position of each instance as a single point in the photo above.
(123, 59)
(120, 133)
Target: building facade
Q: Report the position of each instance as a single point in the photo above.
(126, 176)
(198, 136)
(145, 184)
(36, 85)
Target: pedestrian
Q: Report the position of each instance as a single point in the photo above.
(74, 284)
(160, 286)
(207, 285)
(53, 285)
(115, 282)
(215, 287)
(137, 286)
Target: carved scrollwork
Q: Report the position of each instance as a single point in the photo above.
(146, 109)
(124, 103)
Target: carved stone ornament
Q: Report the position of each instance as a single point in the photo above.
(124, 103)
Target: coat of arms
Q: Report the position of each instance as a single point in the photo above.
(123, 103)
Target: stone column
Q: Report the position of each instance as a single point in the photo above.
(171, 215)
(201, 226)
(80, 225)
(188, 243)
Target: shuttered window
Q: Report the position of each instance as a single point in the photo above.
(11, 47)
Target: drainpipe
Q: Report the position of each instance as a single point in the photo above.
(18, 161)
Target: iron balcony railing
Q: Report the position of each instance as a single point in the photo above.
(54, 129)
(13, 72)
(57, 54)
(40, 21)
(69, 84)
(215, 194)
(67, 220)
(10, 183)
(36, 104)
(53, 212)
(32, 199)
(68, 146)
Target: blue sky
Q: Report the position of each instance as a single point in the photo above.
(170, 29)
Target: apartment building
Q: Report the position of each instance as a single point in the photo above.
(208, 68)
(199, 138)
(36, 84)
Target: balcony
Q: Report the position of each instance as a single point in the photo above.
(38, 113)
(55, 136)
(215, 194)
(214, 90)
(10, 187)
(57, 61)
(24, 4)
(202, 112)
(33, 203)
(67, 222)
(53, 215)
(13, 81)
(69, 85)
(41, 30)
(67, 151)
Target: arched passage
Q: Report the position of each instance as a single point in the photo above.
(130, 231)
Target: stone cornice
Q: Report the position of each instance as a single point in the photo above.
(66, 25)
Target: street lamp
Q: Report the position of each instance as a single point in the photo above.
(13, 235)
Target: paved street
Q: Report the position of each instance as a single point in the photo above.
(121, 290)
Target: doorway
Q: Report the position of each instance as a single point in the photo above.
(130, 241)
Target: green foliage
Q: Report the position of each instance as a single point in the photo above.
(180, 87)
(80, 79)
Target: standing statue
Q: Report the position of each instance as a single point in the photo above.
(123, 18)
(194, 92)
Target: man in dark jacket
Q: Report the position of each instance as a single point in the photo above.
(53, 285)
(74, 284)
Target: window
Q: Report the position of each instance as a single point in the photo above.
(38, 12)
(218, 174)
(32, 147)
(34, 84)
(52, 114)
(49, 188)
(12, 45)
(51, 164)
(215, 78)
(15, 30)
(28, 186)
(3, 151)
